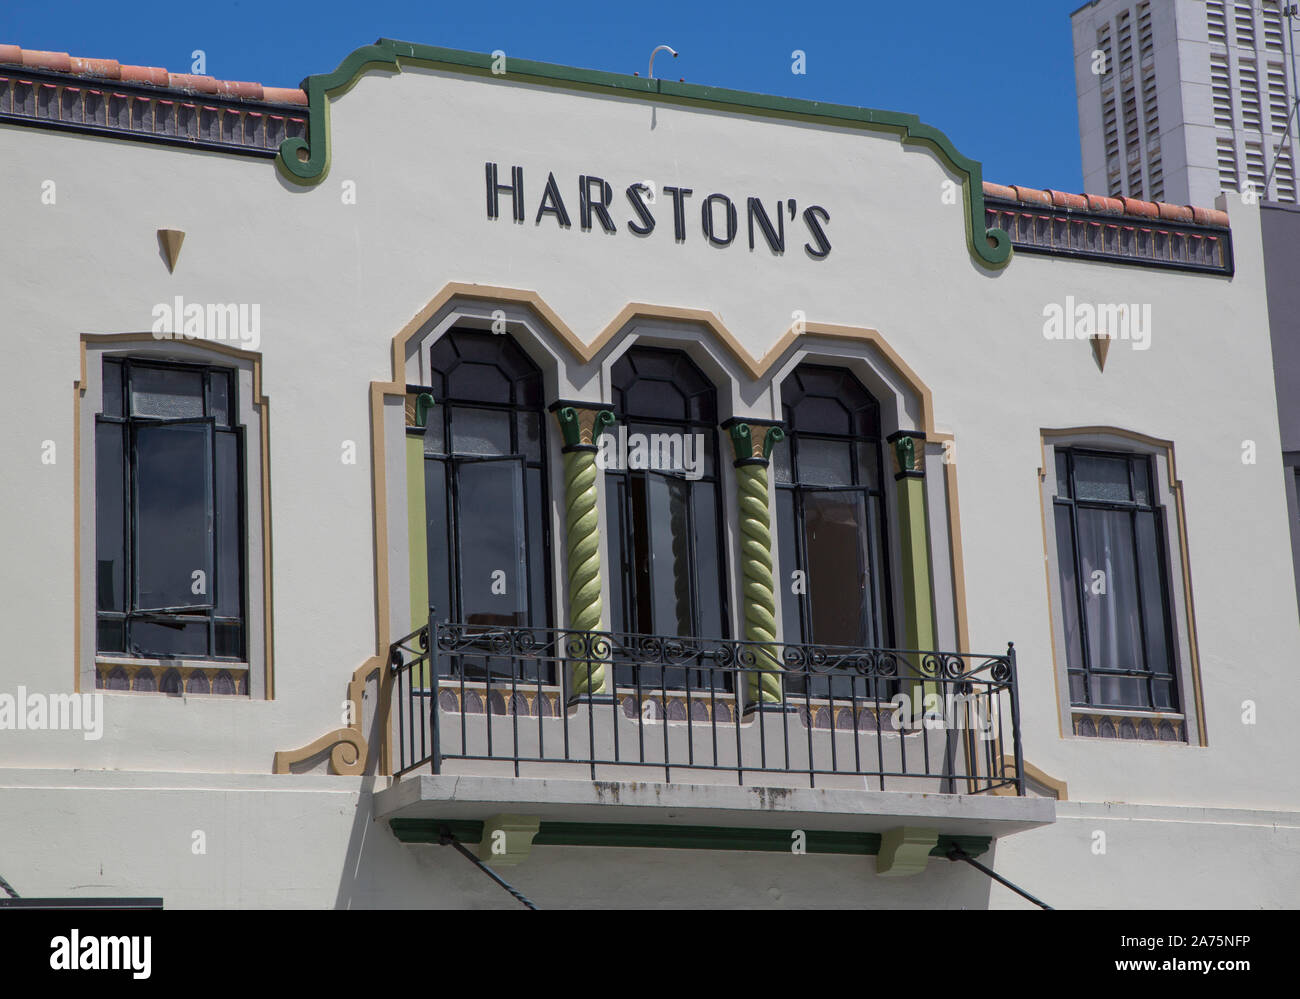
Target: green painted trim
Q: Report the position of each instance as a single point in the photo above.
(914, 555)
(417, 538)
(990, 247)
(629, 835)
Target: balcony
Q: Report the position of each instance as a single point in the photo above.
(547, 736)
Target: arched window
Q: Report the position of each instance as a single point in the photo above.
(831, 513)
(485, 486)
(663, 507)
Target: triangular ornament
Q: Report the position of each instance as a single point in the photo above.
(170, 240)
(1100, 347)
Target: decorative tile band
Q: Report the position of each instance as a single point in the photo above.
(1124, 727)
(699, 708)
(128, 111)
(171, 679)
(1119, 238)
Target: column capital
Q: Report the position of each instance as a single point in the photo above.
(753, 440)
(581, 422)
(419, 400)
(909, 454)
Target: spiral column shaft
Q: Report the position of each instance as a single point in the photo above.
(753, 444)
(588, 669)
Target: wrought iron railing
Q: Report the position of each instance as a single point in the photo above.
(489, 700)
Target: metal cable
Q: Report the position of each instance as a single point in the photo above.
(8, 889)
(446, 838)
(957, 853)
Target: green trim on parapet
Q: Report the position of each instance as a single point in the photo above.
(991, 247)
(638, 835)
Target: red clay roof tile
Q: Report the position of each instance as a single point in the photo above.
(111, 69)
(1132, 207)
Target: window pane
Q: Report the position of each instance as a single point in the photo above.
(491, 541)
(480, 383)
(480, 431)
(1142, 481)
(1062, 475)
(869, 465)
(110, 520)
(880, 630)
(229, 640)
(169, 638)
(529, 431)
(824, 416)
(1065, 559)
(614, 498)
(781, 462)
(670, 556)
(112, 388)
(1100, 478)
(708, 570)
(173, 515)
(1159, 657)
(230, 549)
(434, 437)
(660, 400)
(791, 619)
(825, 463)
(539, 611)
(836, 532)
(1111, 602)
(111, 635)
(219, 397)
(166, 392)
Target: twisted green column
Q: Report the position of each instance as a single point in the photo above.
(580, 425)
(914, 554)
(753, 442)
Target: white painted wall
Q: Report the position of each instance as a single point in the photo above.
(337, 281)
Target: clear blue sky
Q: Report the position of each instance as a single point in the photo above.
(997, 76)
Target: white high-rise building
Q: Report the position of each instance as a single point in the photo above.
(1180, 99)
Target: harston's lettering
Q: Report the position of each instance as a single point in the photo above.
(720, 216)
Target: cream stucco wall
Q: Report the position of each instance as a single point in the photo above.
(337, 281)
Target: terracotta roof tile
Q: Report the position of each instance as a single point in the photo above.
(111, 69)
(59, 62)
(1177, 213)
(1132, 207)
(1032, 195)
(1063, 200)
(1101, 203)
(1142, 209)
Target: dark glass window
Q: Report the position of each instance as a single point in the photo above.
(1113, 572)
(668, 575)
(485, 494)
(169, 512)
(831, 517)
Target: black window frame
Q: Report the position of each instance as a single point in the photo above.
(1139, 464)
(883, 623)
(123, 367)
(629, 604)
(537, 552)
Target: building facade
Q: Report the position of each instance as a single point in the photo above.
(1180, 99)
(568, 464)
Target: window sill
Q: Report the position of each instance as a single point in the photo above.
(1129, 724)
(171, 677)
